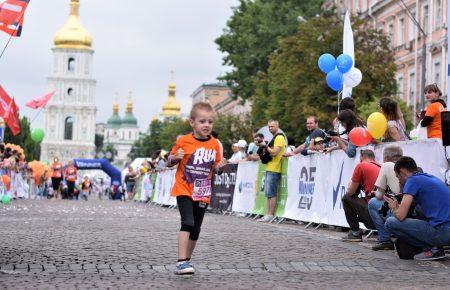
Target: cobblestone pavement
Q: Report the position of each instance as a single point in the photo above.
(105, 244)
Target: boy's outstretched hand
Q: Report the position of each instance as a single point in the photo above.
(178, 155)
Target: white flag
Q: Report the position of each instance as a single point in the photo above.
(348, 48)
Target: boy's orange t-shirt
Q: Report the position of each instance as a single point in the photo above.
(434, 130)
(196, 169)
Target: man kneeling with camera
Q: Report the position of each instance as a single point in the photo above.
(433, 197)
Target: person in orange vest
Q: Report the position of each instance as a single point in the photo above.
(70, 175)
(57, 177)
(86, 187)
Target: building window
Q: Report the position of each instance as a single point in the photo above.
(364, 5)
(391, 32)
(425, 18)
(412, 26)
(71, 64)
(400, 30)
(437, 14)
(69, 91)
(437, 73)
(68, 128)
(412, 88)
(356, 6)
(400, 87)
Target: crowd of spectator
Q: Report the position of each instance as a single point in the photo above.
(409, 209)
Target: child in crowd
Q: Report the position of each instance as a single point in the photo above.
(197, 155)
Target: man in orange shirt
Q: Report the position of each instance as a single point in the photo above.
(197, 155)
(432, 119)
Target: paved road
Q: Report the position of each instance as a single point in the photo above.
(100, 244)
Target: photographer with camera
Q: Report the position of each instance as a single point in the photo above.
(355, 208)
(272, 156)
(312, 125)
(433, 197)
(386, 181)
(260, 145)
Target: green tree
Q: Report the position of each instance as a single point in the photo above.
(294, 87)
(99, 142)
(163, 134)
(31, 149)
(366, 109)
(232, 128)
(251, 35)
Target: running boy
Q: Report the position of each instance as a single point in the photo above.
(198, 154)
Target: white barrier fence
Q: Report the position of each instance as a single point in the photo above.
(315, 183)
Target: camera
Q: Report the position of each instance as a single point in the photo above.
(385, 207)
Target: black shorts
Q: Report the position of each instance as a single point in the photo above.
(192, 213)
(56, 182)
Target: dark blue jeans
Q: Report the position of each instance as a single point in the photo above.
(418, 233)
(378, 220)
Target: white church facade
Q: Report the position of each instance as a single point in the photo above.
(70, 115)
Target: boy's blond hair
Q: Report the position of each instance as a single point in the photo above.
(205, 106)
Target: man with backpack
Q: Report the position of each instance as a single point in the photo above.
(272, 156)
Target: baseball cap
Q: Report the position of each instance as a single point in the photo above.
(318, 139)
(241, 144)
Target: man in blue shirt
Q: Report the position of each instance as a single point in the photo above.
(433, 197)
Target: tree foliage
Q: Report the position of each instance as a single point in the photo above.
(368, 108)
(251, 35)
(294, 87)
(160, 135)
(31, 149)
(163, 134)
(231, 129)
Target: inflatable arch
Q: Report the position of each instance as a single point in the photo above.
(102, 164)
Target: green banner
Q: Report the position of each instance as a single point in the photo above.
(137, 194)
(153, 179)
(260, 207)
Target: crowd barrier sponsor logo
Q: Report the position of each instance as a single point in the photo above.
(306, 187)
(338, 189)
(223, 188)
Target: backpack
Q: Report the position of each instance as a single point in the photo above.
(265, 156)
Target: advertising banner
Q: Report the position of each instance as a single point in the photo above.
(316, 183)
(245, 189)
(223, 188)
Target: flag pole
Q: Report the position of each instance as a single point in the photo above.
(34, 118)
(11, 35)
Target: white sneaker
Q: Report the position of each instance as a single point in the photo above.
(266, 218)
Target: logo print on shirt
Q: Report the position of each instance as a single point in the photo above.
(199, 165)
(203, 155)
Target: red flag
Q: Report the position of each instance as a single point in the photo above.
(9, 110)
(11, 16)
(40, 102)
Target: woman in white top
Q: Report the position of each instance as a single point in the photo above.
(396, 124)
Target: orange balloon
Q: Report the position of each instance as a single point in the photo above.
(5, 180)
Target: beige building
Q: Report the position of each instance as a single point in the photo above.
(220, 97)
(408, 41)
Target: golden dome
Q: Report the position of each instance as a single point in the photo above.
(172, 107)
(115, 108)
(72, 34)
(129, 108)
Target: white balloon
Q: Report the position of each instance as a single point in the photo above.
(352, 78)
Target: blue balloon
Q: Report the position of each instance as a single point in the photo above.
(344, 63)
(327, 62)
(335, 80)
